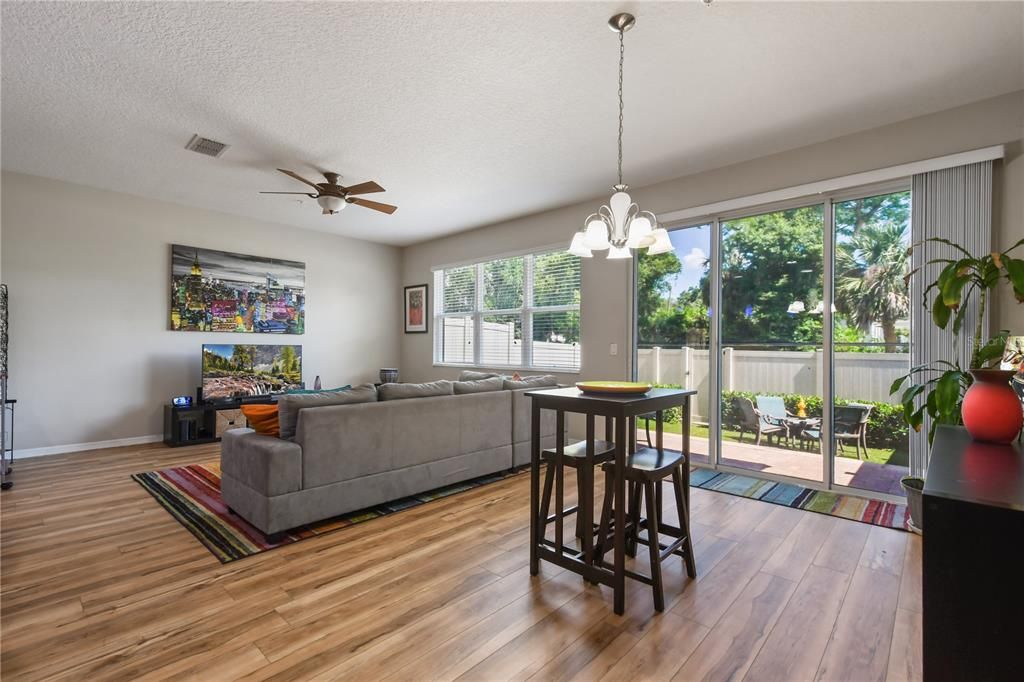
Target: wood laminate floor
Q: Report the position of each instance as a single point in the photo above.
(97, 581)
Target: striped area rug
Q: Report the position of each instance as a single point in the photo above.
(192, 496)
(875, 512)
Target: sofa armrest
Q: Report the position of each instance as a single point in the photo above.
(270, 466)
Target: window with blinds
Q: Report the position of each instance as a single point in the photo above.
(518, 312)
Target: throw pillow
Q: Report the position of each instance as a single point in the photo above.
(290, 405)
(537, 381)
(470, 375)
(403, 391)
(478, 386)
(263, 419)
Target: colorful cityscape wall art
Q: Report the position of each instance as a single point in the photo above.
(218, 291)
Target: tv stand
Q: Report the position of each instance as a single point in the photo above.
(206, 421)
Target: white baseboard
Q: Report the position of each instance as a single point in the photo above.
(82, 447)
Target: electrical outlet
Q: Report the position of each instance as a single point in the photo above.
(613, 349)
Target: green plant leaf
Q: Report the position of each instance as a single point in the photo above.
(993, 350)
(956, 246)
(957, 276)
(947, 395)
(1015, 273)
(940, 313)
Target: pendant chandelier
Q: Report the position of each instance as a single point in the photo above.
(620, 225)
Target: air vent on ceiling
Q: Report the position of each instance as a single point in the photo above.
(206, 146)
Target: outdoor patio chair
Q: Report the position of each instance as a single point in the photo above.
(772, 410)
(752, 420)
(851, 423)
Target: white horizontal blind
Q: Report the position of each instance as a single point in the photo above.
(501, 330)
(556, 311)
(521, 311)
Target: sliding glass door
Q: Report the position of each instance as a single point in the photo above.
(792, 370)
(871, 340)
(673, 330)
(772, 269)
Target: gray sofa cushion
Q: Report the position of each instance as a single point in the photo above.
(403, 391)
(538, 381)
(288, 406)
(470, 375)
(478, 386)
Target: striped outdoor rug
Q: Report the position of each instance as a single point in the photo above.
(875, 512)
(192, 496)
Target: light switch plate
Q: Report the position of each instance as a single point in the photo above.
(613, 349)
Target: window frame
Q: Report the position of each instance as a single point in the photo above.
(479, 312)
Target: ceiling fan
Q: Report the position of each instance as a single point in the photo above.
(333, 197)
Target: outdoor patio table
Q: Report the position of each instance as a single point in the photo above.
(622, 411)
(797, 425)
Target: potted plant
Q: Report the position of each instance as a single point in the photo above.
(978, 396)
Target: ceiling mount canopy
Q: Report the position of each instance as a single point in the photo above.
(620, 225)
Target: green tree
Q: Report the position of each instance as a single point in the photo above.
(460, 289)
(288, 361)
(870, 277)
(770, 261)
(243, 358)
(654, 276)
(851, 216)
(503, 284)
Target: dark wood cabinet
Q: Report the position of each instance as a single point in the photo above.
(973, 563)
(205, 422)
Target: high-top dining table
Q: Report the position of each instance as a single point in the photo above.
(621, 410)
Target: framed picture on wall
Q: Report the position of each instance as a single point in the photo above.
(416, 309)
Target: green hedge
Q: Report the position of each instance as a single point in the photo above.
(886, 427)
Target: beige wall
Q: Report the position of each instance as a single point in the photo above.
(91, 356)
(605, 314)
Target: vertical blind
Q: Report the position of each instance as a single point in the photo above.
(955, 204)
(522, 311)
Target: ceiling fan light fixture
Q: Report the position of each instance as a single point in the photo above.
(331, 203)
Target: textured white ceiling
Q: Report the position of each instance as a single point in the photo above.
(468, 113)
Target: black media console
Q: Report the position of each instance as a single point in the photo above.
(205, 422)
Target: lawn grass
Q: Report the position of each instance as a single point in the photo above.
(894, 456)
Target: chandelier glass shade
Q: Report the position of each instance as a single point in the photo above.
(620, 225)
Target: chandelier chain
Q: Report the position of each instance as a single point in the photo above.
(622, 57)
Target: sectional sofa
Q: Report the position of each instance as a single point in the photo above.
(363, 447)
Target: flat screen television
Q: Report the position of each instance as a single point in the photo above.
(235, 371)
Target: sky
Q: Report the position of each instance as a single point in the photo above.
(693, 247)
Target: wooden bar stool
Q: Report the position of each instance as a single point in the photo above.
(574, 456)
(644, 472)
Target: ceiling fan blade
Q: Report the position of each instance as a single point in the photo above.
(364, 188)
(305, 194)
(376, 206)
(299, 178)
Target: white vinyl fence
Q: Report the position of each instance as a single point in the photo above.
(857, 376)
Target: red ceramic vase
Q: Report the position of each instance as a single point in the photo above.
(991, 410)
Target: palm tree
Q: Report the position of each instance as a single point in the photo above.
(870, 272)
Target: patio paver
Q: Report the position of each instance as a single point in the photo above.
(868, 476)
